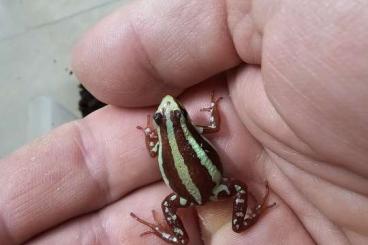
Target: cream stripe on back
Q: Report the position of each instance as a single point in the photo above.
(201, 154)
(180, 165)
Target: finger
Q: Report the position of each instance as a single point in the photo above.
(293, 166)
(163, 47)
(77, 168)
(258, 113)
(114, 225)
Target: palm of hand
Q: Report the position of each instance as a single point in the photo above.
(296, 118)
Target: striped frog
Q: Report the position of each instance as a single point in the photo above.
(191, 167)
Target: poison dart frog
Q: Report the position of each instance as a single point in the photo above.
(191, 167)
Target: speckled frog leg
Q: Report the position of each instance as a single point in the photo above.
(243, 218)
(214, 121)
(176, 234)
(151, 137)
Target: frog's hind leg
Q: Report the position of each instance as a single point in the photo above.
(151, 225)
(243, 218)
(174, 232)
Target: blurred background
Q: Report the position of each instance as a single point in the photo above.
(38, 89)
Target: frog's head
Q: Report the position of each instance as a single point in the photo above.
(169, 109)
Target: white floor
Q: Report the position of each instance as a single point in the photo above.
(36, 37)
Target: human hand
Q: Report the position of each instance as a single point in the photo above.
(296, 80)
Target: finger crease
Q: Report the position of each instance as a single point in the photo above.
(227, 28)
(101, 231)
(5, 234)
(149, 66)
(93, 158)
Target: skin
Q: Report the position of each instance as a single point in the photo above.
(293, 75)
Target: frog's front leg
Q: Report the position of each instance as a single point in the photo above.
(151, 137)
(243, 218)
(214, 121)
(176, 234)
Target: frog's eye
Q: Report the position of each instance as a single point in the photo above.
(184, 112)
(157, 117)
(177, 114)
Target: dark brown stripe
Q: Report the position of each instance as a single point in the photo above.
(169, 167)
(211, 152)
(199, 173)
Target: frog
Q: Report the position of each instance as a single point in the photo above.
(191, 167)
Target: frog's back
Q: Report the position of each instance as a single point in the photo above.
(188, 163)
